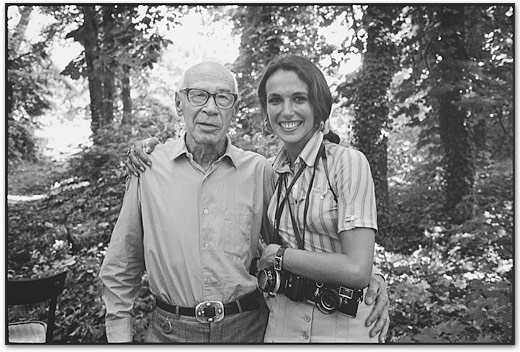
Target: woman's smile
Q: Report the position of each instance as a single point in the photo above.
(289, 125)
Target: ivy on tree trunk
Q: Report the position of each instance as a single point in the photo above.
(90, 43)
(371, 103)
(454, 133)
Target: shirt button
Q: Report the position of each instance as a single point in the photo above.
(205, 211)
(305, 336)
(307, 318)
(206, 245)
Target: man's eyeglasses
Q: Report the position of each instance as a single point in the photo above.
(199, 97)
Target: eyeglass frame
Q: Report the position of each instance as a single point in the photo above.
(214, 95)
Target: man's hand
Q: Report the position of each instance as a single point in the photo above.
(377, 292)
(136, 155)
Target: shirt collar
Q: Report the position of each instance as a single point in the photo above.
(232, 152)
(308, 155)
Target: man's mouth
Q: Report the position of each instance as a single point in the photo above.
(205, 125)
(289, 125)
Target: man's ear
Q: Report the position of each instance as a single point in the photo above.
(178, 105)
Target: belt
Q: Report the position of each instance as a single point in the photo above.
(214, 311)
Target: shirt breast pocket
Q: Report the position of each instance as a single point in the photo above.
(237, 233)
(323, 210)
(324, 198)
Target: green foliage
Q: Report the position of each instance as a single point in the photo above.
(27, 91)
(21, 143)
(464, 58)
(449, 283)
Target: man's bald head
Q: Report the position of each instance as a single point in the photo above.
(207, 71)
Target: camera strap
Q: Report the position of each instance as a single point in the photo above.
(280, 205)
(300, 239)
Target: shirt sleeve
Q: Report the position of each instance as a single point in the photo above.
(123, 266)
(356, 194)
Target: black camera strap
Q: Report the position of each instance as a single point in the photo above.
(300, 239)
(280, 205)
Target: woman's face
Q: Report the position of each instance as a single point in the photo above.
(289, 109)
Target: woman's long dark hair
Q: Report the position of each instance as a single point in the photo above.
(319, 93)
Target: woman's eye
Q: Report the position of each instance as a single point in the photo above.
(300, 99)
(273, 100)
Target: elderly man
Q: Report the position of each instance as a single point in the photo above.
(196, 219)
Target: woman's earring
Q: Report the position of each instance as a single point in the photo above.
(322, 125)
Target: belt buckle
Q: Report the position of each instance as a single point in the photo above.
(209, 312)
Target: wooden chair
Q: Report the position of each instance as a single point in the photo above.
(30, 291)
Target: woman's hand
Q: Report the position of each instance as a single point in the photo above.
(136, 156)
(267, 259)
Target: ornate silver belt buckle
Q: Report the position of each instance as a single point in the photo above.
(209, 312)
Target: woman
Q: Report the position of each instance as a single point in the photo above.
(324, 215)
(326, 218)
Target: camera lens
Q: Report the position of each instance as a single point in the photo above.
(268, 280)
(329, 301)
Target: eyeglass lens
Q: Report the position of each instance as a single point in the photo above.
(200, 97)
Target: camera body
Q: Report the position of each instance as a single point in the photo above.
(340, 298)
(328, 298)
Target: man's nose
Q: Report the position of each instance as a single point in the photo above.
(211, 105)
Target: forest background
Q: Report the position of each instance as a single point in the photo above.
(426, 92)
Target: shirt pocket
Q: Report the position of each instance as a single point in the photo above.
(323, 211)
(237, 233)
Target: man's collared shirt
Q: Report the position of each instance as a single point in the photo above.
(194, 232)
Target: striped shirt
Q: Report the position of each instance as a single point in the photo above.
(351, 181)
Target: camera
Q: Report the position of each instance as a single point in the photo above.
(328, 298)
(343, 299)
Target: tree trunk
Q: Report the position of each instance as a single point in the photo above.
(109, 66)
(371, 103)
(108, 97)
(253, 58)
(454, 133)
(90, 43)
(125, 96)
(21, 27)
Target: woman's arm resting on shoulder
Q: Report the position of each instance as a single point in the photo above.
(137, 160)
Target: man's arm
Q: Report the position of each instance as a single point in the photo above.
(122, 268)
(377, 293)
